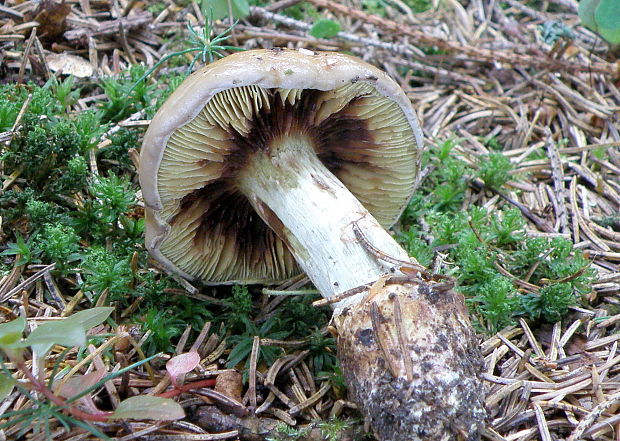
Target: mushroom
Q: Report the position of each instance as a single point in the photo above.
(271, 162)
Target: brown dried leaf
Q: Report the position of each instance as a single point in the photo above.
(52, 18)
(230, 384)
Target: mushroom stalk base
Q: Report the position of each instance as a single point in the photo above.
(408, 353)
(412, 363)
(313, 213)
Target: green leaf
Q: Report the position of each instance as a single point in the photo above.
(607, 15)
(69, 332)
(89, 318)
(586, 12)
(239, 353)
(602, 16)
(6, 386)
(11, 332)
(611, 35)
(61, 332)
(325, 28)
(148, 407)
(218, 9)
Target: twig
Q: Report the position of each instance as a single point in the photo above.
(540, 223)
(402, 339)
(557, 173)
(359, 234)
(282, 4)
(187, 388)
(376, 319)
(399, 49)
(27, 282)
(312, 399)
(593, 416)
(22, 67)
(252, 376)
(474, 54)
(543, 428)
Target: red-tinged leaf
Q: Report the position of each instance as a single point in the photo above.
(78, 383)
(148, 407)
(182, 364)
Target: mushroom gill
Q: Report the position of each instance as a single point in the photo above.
(361, 136)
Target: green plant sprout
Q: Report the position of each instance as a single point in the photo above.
(22, 250)
(243, 343)
(325, 28)
(332, 428)
(65, 91)
(202, 42)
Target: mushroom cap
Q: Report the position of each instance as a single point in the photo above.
(198, 224)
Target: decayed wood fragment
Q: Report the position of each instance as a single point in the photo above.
(413, 363)
(111, 27)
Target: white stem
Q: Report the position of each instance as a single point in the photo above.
(308, 207)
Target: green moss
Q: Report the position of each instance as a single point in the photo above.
(494, 170)
(551, 303)
(477, 244)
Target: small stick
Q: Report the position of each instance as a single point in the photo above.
(253, 360)
(405, 267)
(402, 339)
(282, 4)
(22, 67)
(563, 406)
(380, 254)
(557, 174)
(265, 405)
(27, 282)
(338, 297)
(298, 292)
(421, 38)
(312, 399)
(592, 416)
(197, 345)
(543, 428)
(375, 318)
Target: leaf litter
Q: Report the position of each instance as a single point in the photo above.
(472, 71)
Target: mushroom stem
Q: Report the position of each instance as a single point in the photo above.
(407, 350)
(314, 213)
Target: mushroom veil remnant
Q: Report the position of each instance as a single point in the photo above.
(269, 163)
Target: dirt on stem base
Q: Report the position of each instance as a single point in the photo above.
(412, 362)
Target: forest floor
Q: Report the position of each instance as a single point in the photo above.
(519, 201)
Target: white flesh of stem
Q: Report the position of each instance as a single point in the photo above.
(314, 214)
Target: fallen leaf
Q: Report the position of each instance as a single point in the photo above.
(148, 407)
(79, 383)
(52, 18)
(182, 364)
(230, 383)
(69, 64)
